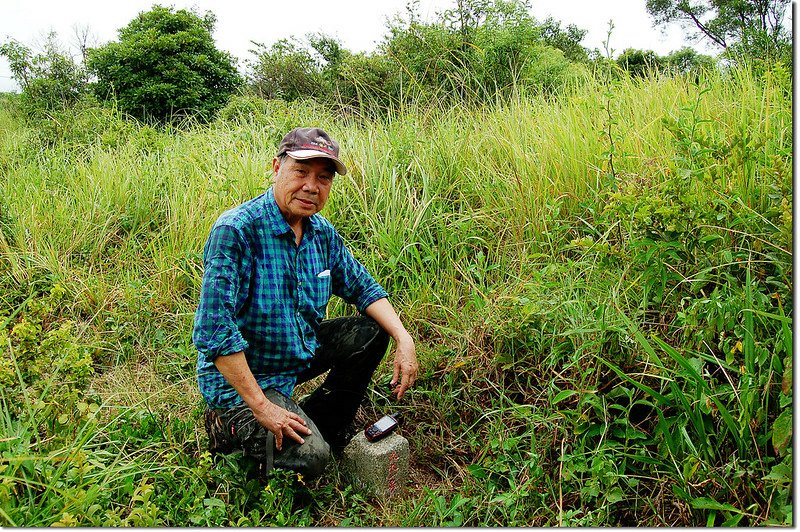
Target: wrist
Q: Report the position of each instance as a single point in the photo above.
(260, 405)
(402, 337)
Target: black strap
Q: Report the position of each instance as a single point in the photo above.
(269, 453)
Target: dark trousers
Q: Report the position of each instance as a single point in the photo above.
(350, 350)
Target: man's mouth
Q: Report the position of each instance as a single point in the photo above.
(307, 203)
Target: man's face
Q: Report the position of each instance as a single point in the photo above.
(301, 186)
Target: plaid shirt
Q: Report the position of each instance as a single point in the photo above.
(264, 295)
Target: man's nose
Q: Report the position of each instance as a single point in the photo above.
(311, 185)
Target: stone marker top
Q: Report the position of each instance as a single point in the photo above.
(379, 467)
(376, 448)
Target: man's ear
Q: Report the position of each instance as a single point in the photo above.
(276, 164)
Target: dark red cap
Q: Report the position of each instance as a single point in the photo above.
(309, 143)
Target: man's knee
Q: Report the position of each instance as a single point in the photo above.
(377, 339)
(309, 459)
(316, 457)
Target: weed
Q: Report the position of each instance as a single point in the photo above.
(600, 283)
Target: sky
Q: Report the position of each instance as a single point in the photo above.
(359, 24)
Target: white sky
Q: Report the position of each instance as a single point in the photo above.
(359, 25)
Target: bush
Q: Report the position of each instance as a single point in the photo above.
(689, 61)
(640, 62)
(367, 81)
(165, 66)
(51, 81)
(482, 49)
(286, 70)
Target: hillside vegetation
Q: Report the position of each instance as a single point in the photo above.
(599, 280)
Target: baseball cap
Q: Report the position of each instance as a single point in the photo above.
(310, 142)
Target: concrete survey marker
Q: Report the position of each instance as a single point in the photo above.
(379, 468)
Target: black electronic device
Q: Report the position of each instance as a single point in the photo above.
(383, 427)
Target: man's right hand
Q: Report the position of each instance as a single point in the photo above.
(272, 417)
(281, 422)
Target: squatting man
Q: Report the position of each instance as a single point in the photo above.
(271, 265)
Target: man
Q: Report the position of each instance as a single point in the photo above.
(271, 265)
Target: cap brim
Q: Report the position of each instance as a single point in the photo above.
(313, 154)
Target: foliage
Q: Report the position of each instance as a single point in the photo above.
(685, 61)
(51, 81)
(688, 61)
(750, 28)
(42, 359)
(482, 49)
(722, 325)
(165, 66)
(639, 62)
(285, 70)
(601, 344)
(567, 40)
(478, 50)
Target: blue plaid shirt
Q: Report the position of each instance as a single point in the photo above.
(264, 295)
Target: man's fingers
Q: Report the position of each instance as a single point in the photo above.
(408, 373)
(410, 376)
(408, 379)
(301, 427)
(400, 390)
(402, 387)
(289, 432)
(297, 418)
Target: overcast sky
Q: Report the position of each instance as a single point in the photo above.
(359, 25)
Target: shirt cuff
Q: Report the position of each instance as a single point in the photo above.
(370, 296)
(226, 345)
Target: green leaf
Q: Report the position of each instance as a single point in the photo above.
(733, 520)
(615, 495)
(788, 378)
(782, 431)
(476, 471)
(704, 503)
(563, 394)
(213, 503)
(781, 473)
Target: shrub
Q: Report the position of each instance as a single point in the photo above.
(165, 66)
(285, 70)
(640, 62)
(51, 81)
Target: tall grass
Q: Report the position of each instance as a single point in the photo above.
(579, 366)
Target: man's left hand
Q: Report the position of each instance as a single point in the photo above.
(405, 366)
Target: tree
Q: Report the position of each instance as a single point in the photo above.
(484, 47)
(286, 70)
(50, 80)
(689, 61)
(165, 66)
(332, 53)
(639, 62)
(567, 40)
(741, 27)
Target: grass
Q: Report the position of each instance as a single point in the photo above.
(600, 284)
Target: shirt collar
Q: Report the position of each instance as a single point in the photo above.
(278, 223)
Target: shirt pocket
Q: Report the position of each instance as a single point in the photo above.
(319, 293)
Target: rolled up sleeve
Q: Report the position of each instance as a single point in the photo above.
(351, 280)
(225, 267)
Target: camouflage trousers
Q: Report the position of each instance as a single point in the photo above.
(350, 350)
